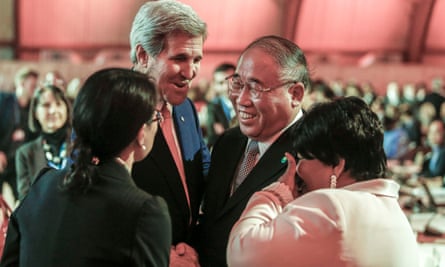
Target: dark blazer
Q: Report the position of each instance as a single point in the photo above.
(220, 211)
(29, 160)
(12, 117)
(439, 168)
(8, 119)
(113, 224)
(160, 164)
(215, 114)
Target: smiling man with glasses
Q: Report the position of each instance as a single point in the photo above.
(266, 90)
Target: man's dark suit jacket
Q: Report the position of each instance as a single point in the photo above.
(215, 114)
(157, 173)
(113, 224)
(220, 211)
(12, 117)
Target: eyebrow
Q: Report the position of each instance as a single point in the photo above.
(236, 75)
(186, 55)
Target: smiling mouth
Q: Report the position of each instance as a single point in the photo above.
(245, 116)
(182, 84)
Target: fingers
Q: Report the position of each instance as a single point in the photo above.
(291, 165)
(288, 176)
(180, 249)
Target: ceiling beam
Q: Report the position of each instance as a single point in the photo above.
(420, 19)
(290, 10)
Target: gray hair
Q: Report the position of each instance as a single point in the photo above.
(288, 56)
(155, 20)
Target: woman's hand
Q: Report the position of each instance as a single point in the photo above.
(288, 176)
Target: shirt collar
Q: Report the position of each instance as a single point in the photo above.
(263, 146)
(380, 186)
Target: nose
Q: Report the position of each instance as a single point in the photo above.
(189, 71)
(52, 108)
(244, 97)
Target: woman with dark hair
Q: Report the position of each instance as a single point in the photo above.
(50, 117)
(347, 215)
(92, 214)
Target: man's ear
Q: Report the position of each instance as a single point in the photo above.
(297, 93)
(142, 58)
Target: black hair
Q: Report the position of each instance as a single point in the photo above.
(224, 67)
(344, 128)
(108, 112)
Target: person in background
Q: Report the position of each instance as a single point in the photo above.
(199, 93)
(266, 89)
(319, 92)
(72, 88)
(220, 110)
(14, 129)
(55, 78)
(395, 138)
(349, 215)
(92, 214)
(50, 115)
(437, 95)
(434, 162)
(166, 43)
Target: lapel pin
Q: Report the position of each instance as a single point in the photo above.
(283, 160)
(182, 119)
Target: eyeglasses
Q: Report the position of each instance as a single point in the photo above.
(157, 117)
(236, 85)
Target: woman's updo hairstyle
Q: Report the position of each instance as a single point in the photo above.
(108, 112)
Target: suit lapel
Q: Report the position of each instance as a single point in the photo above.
(186, 131)
(236, 149)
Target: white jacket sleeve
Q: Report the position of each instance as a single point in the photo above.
(272, 231)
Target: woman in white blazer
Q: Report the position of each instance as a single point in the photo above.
(346, 215)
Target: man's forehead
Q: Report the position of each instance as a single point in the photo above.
(183, 43)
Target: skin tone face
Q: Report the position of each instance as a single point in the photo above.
(262, 118)
(50, 112)
(28, 86)
(219, 83)
(317, 175)
(436, 133)
(175, 67)
(314, 173)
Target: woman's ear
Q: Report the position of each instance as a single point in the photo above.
(297, 93)
(140, 138)
(338, 170)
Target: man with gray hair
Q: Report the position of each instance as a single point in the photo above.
(266, 90)
(166, 44)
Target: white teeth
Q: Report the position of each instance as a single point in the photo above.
(182, 84)
(245, 116)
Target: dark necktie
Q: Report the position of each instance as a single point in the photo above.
(247, 164)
